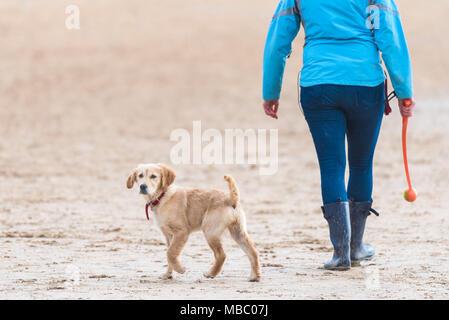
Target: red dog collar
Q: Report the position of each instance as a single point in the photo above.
(152, 204)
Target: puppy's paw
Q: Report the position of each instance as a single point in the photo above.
(208, 275)
(254, 279)
(179, 269)
(166, 276)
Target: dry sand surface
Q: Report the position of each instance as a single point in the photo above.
(79, 109)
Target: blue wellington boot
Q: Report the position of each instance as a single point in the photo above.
(337, 216)
(359, 211)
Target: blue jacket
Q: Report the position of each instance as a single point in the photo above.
(343, 39)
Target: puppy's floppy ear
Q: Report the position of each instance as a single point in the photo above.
(131, 179)
(168, 176)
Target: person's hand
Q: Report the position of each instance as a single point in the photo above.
(271, 108)
(406, 107)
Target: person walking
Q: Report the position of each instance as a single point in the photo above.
(342, 97)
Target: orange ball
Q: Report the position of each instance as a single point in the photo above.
(410, 195)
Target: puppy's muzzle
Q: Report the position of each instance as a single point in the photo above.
(143, 189)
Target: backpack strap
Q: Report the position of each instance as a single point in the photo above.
(388, 97)
(298, 11)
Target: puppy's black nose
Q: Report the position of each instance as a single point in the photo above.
(143, 187)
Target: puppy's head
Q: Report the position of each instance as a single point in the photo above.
(152, 179)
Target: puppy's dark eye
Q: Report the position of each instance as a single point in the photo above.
(153, 176)
(141, 175)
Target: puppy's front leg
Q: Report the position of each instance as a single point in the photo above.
(176, 245)
(168, 236)
(168, 274)
(168, 239)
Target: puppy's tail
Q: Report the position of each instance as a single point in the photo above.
(234, 196)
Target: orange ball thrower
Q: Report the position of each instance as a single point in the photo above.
(410, 194)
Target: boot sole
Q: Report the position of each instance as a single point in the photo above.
(356, 263)
(338, 268)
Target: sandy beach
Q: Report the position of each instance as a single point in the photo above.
(80, 108)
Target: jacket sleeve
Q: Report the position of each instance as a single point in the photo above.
(283, 30)
(390, 39)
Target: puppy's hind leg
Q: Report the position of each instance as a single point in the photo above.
(213, 231)
(176, 246)
(219, 254)
(240, 236)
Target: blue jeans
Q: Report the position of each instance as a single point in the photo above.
(334, 112)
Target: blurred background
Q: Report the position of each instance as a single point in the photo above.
(80, 108)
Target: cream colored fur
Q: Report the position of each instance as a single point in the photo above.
(182, 211)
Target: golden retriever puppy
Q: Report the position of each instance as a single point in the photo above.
(179, 211)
